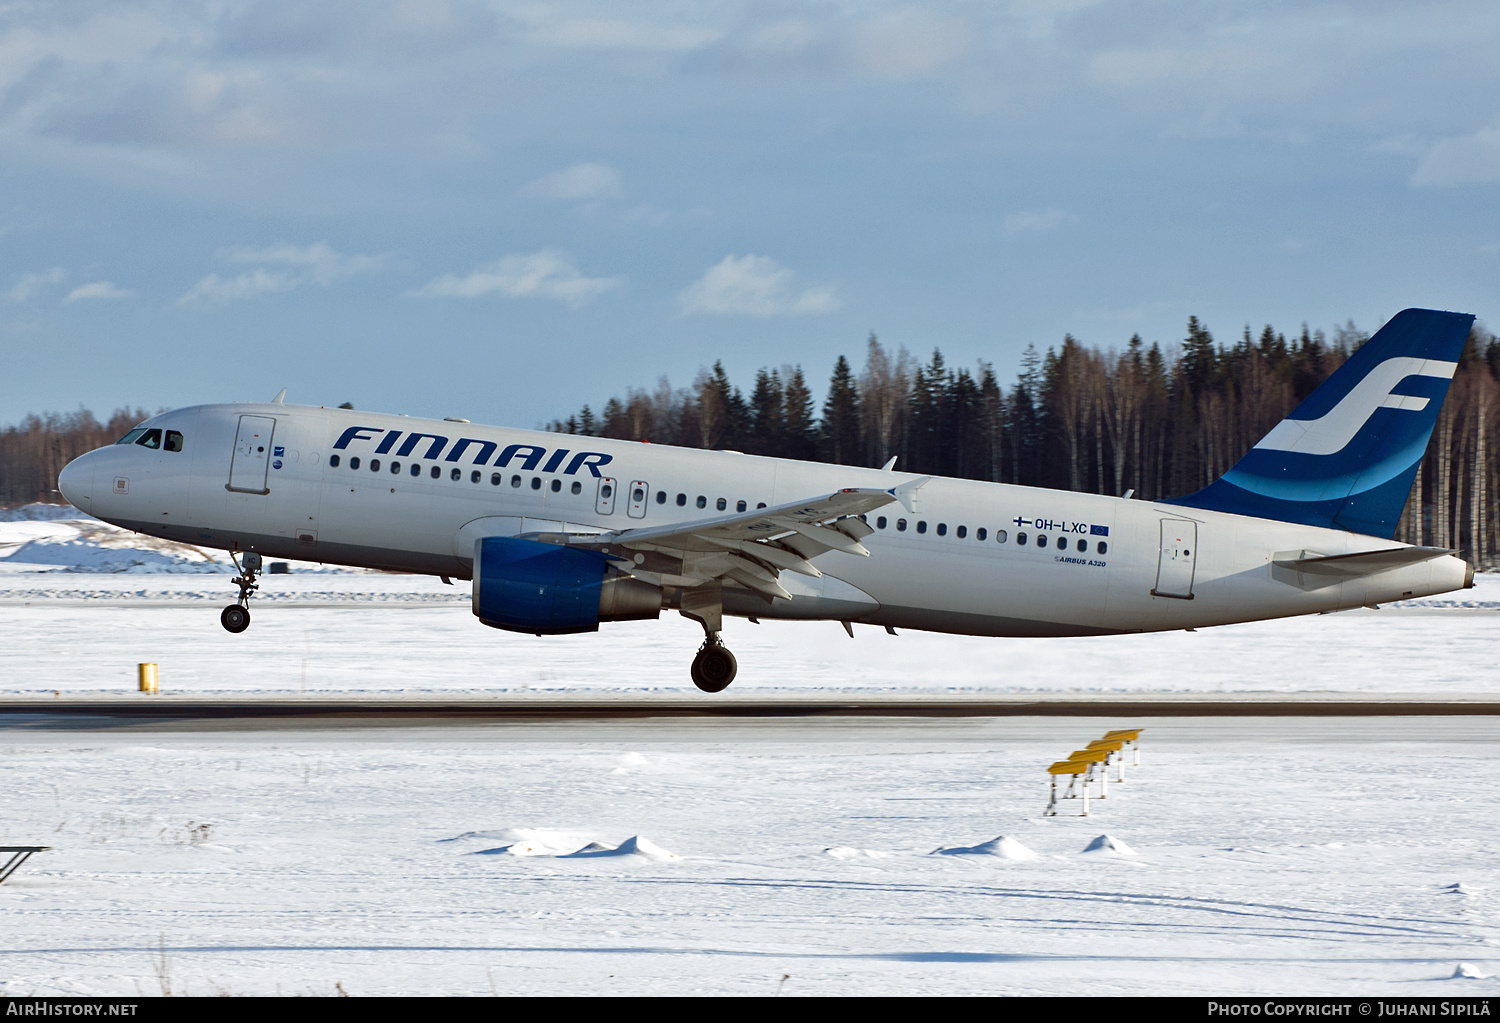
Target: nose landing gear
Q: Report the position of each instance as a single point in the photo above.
(236, 617)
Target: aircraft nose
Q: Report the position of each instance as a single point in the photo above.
(76, 483)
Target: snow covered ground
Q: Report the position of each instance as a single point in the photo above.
(806, 856)
(1284, 857)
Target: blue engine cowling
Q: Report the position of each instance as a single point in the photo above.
(543, 588)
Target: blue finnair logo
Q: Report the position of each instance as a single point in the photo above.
(530, 457)
(1346, 457)
(1331, 433)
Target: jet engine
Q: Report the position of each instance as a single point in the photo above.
(543, 588)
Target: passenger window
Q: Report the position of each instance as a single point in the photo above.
(437, 473)
(981, 534)
(151, 440)
(1020, 539)
(661, 497)
(681, 500)
(900, 525)
(556, 486)
(1041, 541)
(455, 474)
(354, 462)
(1062, 543)
(495, 479)
(174, 440)
(1000, 536)
(1103, 547)
(702, 501)
(638, 495)
(333, 461)
(515, 481)
(606, 491)
(961, 532)
(131, 437)
(761, 505)
(416, 468)
(921, 525)
(739, 506)
(1083, 545)
(474, 476)
(577, 487)
(536, 483)
(721, 504)
(374, 465)
(942, 529)
(880, 522)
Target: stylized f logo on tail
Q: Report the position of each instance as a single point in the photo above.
(1331, 433)
(1338, 461)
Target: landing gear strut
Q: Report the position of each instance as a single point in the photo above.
(714, 667)
(236, 617)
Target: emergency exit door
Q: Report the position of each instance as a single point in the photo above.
(1179, 552)
(252, 455)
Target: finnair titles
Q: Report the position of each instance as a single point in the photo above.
(558, 539)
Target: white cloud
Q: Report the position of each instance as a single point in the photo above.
(1036, 221)
(580, 181)
(28, 286)
(319, 261)
(908, 43)
(216, 289)
(98, 289)
(1465, 160)
(611, 33)
(542, 274)
(282, 267)
(754, 286)
(1220, 65)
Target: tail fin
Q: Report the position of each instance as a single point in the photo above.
(1345, 458)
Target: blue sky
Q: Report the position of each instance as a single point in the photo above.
(502, 210)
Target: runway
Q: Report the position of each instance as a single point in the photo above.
(296, 711)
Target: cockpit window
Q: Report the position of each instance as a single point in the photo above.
(131, 437)
(174, 440)
(152, 439)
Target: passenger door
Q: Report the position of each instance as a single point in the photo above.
(252, 455)
(1174, 570)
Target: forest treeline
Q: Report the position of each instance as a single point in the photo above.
(33, 452)
(1156, 422)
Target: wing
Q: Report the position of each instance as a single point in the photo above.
(751, 548)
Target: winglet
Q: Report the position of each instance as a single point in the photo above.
(906, 493)
(280, 398)
(887, 467)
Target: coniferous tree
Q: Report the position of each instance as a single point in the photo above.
(839, 430)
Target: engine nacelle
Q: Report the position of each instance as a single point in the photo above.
(528, 586)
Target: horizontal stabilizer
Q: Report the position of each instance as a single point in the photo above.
(1363, 563)
(1309, 570)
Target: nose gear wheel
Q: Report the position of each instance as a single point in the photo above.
(236, 617)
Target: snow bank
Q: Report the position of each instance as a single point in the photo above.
(1468, 971)
(1003, 847)
(1109, 844)
(38, 512)
(635, 845)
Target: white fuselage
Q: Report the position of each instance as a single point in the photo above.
(1109, 564)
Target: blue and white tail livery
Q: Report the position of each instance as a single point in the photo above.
(1345, 458)
(561, 533)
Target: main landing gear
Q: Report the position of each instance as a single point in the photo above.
(714, 667)
(236, 617)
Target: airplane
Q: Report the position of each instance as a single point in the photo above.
(559, 533)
